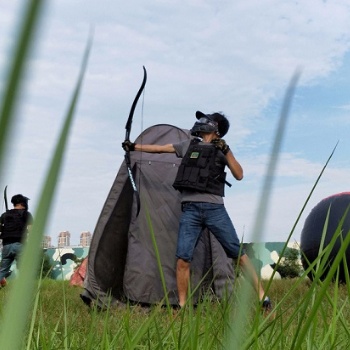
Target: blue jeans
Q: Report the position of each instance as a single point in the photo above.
(199, 215)
(10, 252)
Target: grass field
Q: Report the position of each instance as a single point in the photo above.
(60, 320)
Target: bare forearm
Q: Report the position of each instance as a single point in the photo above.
(155, 148)
(235, 167)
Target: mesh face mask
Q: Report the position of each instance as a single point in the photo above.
(204, 124)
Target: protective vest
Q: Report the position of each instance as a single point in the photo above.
(201, 170)
(14, 224)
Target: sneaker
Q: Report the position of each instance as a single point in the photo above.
(266, 307)
(3, 282)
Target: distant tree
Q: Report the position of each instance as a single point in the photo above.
(289, 266)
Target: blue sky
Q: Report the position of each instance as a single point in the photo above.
(236, 57)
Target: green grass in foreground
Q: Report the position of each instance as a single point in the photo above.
(62, 321)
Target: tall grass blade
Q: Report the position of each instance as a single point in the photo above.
(21, 297)
(322, 292)
(34, 313)
(15, 72)
(300, 214)
(238, 334)
(274, 156)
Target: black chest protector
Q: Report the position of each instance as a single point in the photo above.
(201, 170)
(14, 223)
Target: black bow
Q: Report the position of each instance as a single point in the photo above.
(127, 138)
(5, 198)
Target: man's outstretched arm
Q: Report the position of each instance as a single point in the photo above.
(129, 146)
(169, 148)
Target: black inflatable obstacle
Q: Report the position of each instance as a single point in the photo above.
(311, 234)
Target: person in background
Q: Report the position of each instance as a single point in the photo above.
(201, 179)
(14, 226)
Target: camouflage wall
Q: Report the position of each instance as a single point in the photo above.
(62, 261)
(263, 255)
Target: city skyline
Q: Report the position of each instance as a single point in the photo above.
(63, 240)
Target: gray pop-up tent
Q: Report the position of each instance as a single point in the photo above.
(122, 260)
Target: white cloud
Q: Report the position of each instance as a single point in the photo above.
(236, 57)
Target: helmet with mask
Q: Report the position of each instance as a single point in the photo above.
(216, 122)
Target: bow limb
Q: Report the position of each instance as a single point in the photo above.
(5, 198)
(127, 137)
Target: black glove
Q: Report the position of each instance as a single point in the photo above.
(128, 146)
(221, 145)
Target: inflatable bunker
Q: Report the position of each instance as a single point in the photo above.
(338, 206)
